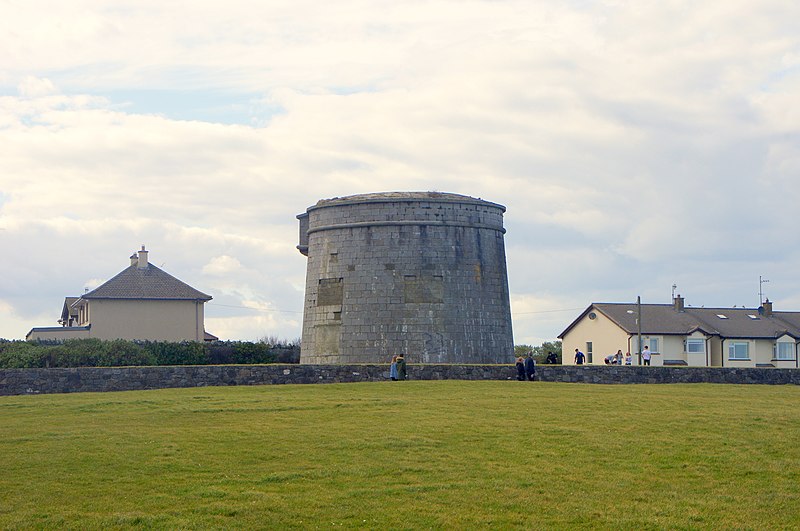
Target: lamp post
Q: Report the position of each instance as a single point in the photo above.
(639, 326)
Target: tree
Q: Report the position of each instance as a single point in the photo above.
(546, 347)
(540, 352)
(522, 350)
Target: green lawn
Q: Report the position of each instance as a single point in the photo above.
(404, 455)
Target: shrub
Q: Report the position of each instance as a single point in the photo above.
(19, 354)
(76, 353)
(287, 354)
(126, 353)
(93, 352)
(184, 353)
(241, 352)
(252, 353)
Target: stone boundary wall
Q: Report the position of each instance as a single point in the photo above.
(91, 379)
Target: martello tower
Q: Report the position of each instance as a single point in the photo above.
(418, 273)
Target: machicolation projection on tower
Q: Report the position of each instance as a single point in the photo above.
(421, 274)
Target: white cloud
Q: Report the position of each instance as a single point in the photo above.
(92, 283)
(222, 265)
(633, 144)
(32, 87)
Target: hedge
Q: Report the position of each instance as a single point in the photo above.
(120, 353)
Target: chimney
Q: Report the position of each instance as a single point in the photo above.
(142, 262)
(677, 303)
(766, 308)
(134, 259)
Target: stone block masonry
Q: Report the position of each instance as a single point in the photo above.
(92, 379)
(420, 273)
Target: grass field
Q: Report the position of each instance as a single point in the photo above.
(404, 455)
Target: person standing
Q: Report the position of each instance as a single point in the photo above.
(618, 358)
(552, 359)
(646, 355)
(401, 367)
(393, 369)
(580, 357)
(520, 368)
(530, 367)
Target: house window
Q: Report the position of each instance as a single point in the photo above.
(588, 352)
(784, 351)
(655, 348)
(739, 350)
(653, 342)
(696, 346)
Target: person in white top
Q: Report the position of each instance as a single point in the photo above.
(646, 355)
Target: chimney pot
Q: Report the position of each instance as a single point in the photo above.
(767, 306)
(678, 303)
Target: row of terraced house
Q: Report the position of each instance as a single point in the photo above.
(677, 335)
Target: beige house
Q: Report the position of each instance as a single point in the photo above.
(680, 335)
(141, 303)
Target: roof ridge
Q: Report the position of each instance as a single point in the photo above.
(150, 282)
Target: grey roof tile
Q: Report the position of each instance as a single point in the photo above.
(663, 319)
(67, 310)
(145, 283)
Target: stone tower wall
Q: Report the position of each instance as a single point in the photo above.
(421, 274)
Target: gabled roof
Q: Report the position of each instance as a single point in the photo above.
(148, 282)
(663, 319)
(67, 310)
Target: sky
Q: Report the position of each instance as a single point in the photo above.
(637, 145)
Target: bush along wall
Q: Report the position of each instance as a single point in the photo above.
(120, 353)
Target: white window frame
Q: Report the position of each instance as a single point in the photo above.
(784, 356)
(655, 345)
(732, 350)
(653, 342)
(695, 341)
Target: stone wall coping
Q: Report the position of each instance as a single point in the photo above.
(102, 379)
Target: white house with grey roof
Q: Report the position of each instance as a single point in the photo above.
(142, 302)
(682, 335)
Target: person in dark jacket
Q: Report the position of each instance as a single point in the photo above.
(552, 359)
(520, 368)
(401, 367)
(530, 367)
